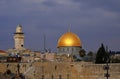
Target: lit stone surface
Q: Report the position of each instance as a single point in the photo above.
(19, 38)
(19, 29)
(62, 70)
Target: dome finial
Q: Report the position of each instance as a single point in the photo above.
(19, 25)
(69, 28)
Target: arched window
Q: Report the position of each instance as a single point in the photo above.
(63, 50)
(67, 49)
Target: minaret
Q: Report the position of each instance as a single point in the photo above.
(19, 38)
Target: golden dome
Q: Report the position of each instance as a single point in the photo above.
(69, 39)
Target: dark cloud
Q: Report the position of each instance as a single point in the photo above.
(94, 21)
(49, 3)
(112, 5)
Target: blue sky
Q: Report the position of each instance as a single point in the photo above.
(94, 21)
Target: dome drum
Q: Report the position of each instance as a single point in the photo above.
(69, 50)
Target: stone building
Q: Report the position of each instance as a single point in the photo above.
(19, 38)
(18, 48)
(3, 56)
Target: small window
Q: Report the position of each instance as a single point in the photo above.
(55, 67)
(7, 65)
(21, 45)
(52, 77)
(67, 76)
(60, 77)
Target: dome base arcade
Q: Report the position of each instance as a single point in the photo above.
(71, 50)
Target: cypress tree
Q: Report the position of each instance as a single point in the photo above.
(101, 56)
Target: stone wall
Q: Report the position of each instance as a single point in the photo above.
(62, 70)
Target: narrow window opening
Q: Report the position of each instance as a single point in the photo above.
(42, 76)
(60, 77)
(52, 77)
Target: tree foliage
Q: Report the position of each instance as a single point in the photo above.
(82, 53)
(90, 53)
(102, 55)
